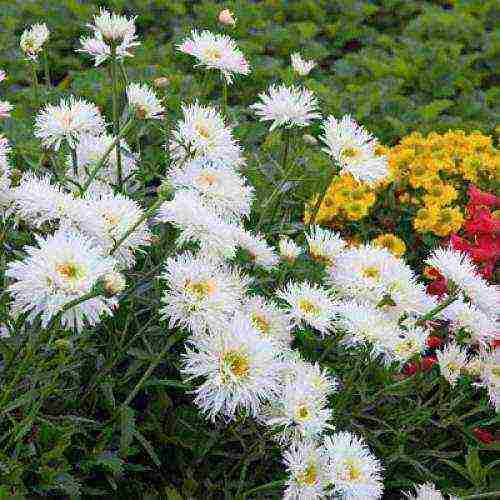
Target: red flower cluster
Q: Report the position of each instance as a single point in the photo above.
(481, 228)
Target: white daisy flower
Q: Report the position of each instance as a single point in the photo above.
(221, 188)
(353, 470)
(5, 109)
(144, 102)
(289, 250)
(5, 150)
(481, 327)
(113, 27)
(427, 491)
(301, 66)
(272, 323)
(324, 245)
(459, 269)
(287, 107)
(239, 369)
(215, 51)
(33, 39)
(261, 253)
(3, 75)
(452, 361)
(90, 149)
(63, 268)
(197, 223)
(406, 345)
(490, 375)
(353, 148)
(309, 305)
(306, 464)
(114, 283)
(202, 132)
(37, 201)
(200, 293)
(68, 121)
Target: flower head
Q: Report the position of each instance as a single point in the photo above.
(5, 109)
(301, 66)
(452, 361)
(427, 491)
(324, 245)
(215, 51)
(113, 27)
(287, 107)
(227, 17)
(144, 102)
(260, 252)
(289, 250)
(33, 39)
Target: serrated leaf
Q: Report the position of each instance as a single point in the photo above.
(127, 428)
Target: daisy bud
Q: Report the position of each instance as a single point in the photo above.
(161, 82)
(310, 139)
(226, 17)
(114, 283)
(144, 102)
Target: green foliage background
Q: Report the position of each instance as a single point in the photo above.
(397, 66)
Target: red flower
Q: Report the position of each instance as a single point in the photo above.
(428, 362)
(411, 368)
(478, 197)
(482, 222)
(434, 341)
(485, 437)
(437, 287)
(458, 243)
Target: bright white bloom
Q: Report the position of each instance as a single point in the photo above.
(202, 132)
(215, 51)
(37, 201)
(68, 121)
(287, 106)
(200, 293)
(306, 464)
(4, 172)
(144, 101)
(309, 305)
(324, 245)
(301, 66)
(239, 369)
(427, 491)
(452, 360)
(114, 283)
(459, 269)
(406, 345)
(490, 375)
(272, 323)
(289, 250)
(5, 109)
(3, 75)
(113, 27)
(64, 267)
(108, 217)
(353, 470)
(197, 223)
(221, 188)
(97, 48)
(353, 148)
(255, 244)
(33, 39)
(90, 149)
(481, 327)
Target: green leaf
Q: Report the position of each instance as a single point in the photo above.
(127, 428)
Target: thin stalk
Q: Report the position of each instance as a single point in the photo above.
(319, 201)
(46, 68)
(170, 342)
(116, 115)
(35, 79)
(124, 130)
(437, 309)
(224, 96)
(74, 162)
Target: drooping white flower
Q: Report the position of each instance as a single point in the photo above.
(238, 367)
(261, 253)
(144, 102)
(214, 51)
(427, 491)
(353, 147)
(90, 149)
(33, 39)
(113, 27)
(68, 121)
(62, 268)
(352, 469)
(459, 269)
(200, 293)
(271, 322)
(202, 132)
(221, 188)
(301, 66)
(452, 360)
(5, 109)
(324, 245)
(289, 250)
(287, 107)
(309, 305)
(198, 224)
(306, 464)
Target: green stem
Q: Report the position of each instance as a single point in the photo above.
(493, 494)
(35, 79)
(116, 115)
(319, 201)
(437, 309)
(46, 68)
(124, 130)
(170, 342)
(74, 162)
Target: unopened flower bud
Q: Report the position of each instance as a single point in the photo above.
(226, 17)
(114, 283)
(63, 344)
(161, 82)
(309, 139)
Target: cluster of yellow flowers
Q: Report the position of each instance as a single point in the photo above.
(428, 172)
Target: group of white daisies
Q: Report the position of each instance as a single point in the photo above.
(88, 228)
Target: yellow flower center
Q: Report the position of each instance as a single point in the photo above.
(308, 307)
(213, 54)
(351, 153)
(260, 323)
(237, 363)
(371, 272)
(207, 179)
(303, 413)
(110, 218)
(309, 476)
(201, 289)
(352, 471)
(202, 130)
(69, 271)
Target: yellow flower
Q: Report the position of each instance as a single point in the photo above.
(440, 194)
(449, 220)
(394, 244)
(425, 219)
